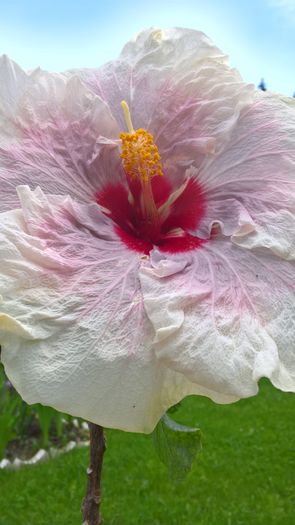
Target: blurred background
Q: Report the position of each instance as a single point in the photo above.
(258, 35)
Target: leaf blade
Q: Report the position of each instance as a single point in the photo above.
(176, 445)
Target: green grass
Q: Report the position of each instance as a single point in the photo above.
(245, 474)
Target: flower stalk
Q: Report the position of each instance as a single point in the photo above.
(91, 503)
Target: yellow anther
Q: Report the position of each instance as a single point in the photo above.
(139, 154)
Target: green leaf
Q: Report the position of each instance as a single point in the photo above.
(176, 445)
(174, 408)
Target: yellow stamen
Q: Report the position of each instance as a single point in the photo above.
(140, 155)
(141, 159)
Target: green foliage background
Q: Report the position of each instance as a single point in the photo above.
(245, 474)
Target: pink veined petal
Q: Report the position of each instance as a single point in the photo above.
(72, 322)
(226, 216)
(73, 328)
(178, 86)
(223, 317)
(55, 133)
(274, 233)
(257, 164)
(142, 58)
(252, 180)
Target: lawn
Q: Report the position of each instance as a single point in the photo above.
(245, 474)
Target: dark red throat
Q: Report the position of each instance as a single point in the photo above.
(172, 232)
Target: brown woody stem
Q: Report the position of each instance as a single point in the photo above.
(91, 503)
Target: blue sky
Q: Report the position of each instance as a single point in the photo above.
(259, 36)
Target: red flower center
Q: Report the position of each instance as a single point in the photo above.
(147, 211)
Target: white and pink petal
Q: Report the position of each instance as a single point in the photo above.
(223, 317)
(257, 165)
(73, 330)
(53, 132)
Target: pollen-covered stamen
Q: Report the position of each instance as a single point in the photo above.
(141, 160)
(140, 155)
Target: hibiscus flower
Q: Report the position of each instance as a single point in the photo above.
(148, 250)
